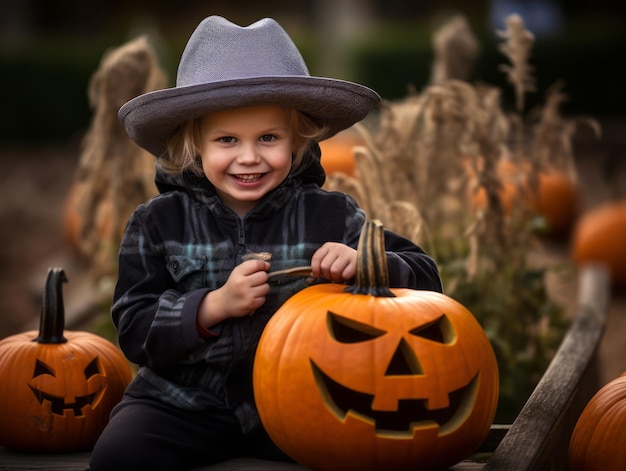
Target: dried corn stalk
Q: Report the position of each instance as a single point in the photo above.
(114, 175)
(418, 157)
(517, 48)
(552, 134)
(455, 48)
(433, 149)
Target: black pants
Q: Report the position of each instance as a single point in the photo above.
(144, 434)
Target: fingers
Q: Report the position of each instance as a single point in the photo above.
(334, 261)
(250, 267)
(247, 287)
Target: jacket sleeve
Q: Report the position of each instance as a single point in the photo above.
(409, 266)
(156, 324)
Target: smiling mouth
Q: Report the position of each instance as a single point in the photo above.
(411, 413)
(58, 405)
(248, 177)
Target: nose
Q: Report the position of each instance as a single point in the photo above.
(404, 362)
(248, 154)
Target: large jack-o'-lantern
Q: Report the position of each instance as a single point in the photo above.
(372, 378)
(57, 388)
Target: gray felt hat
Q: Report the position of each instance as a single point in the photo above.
(225, 66)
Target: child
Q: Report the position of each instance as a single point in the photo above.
(239, 174)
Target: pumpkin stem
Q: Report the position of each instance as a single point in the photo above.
(52, 320)
(372, 274)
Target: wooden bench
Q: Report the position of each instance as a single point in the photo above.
(536, 441)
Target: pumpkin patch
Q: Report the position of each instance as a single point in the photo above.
(372, 378)
(57, 388)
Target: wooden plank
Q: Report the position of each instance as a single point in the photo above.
(43, 461)
(532, 442)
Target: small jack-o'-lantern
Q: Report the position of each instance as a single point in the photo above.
(57, 388)
(372, 378)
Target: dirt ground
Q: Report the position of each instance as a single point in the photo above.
(35, 179)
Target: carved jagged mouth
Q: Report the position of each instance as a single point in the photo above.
(411, 413)
(58, 405)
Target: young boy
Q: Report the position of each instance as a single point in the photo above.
(239, 174)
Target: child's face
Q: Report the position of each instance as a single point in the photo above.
(246, 152)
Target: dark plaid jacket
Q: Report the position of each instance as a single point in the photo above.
(185, 242)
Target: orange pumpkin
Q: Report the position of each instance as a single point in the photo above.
(556, 198)
(337, 154)
(57, 388)
(599, 437)
(600, 237)
(372, 378)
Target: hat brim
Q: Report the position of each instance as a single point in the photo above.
(150, 119)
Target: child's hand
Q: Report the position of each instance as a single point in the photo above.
(334, 261)
(243, 293)
(246, 288)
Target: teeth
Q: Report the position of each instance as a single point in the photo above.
(249, 177)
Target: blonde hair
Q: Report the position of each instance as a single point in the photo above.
(183, 152)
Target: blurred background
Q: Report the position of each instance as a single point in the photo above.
(49, 49)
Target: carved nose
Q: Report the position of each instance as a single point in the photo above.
(404, 362)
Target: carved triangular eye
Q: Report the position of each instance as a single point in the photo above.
(346, 330)
(92, 368)
(42, 369)
(439, 330)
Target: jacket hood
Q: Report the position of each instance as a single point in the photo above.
(311, 172)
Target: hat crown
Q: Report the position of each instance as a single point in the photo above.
(219, 50)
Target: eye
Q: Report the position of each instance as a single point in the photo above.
(346, 330)
(42, 369)
(92, 369)
(440, 330)
(267, 138)
(227, 139)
